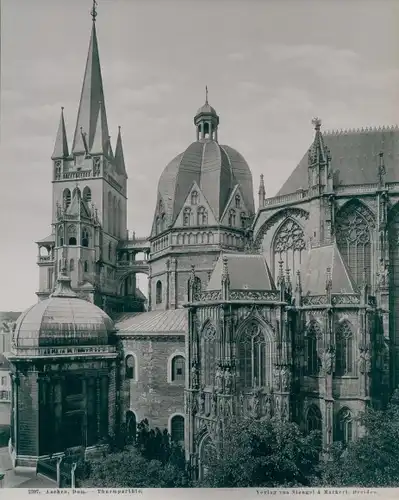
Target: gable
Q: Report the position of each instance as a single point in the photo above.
(237, 206)
(196, 210)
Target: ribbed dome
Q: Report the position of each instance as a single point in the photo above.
(62, 320)
(206, 109)
(215, 168)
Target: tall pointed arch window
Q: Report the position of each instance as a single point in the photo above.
(344, 350)
(232, 218)
(194, 197)
(288, 247)
(66, 198)
(72, 235)
(209, 353)
(313, 419)
(344, 426)
(186, 216)
(158, 292)
(87, 194)
(255, 358)
(313, 334)
(196, 288)
(202, 216)
(354, 240)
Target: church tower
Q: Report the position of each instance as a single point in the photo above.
(89, 207)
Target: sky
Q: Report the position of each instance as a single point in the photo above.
(270, 66)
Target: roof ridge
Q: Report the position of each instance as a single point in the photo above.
(358, 130)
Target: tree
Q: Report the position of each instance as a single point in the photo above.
(372, 460)
(264, 453)
(129, 469)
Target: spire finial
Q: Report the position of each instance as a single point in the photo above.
(93, 11)
(206, 94)
(316, 122)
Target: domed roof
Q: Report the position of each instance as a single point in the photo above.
(206, 109)
(62, 320)
(215, 168)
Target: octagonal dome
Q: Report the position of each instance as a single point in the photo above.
(215, 168)
(62, 320)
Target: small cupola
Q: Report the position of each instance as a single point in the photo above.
(206, 121)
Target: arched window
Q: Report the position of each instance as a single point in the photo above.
(131, 426)
(186, 216)
(86, 267)
(344, 427)
(255, 358)
(196, 288)
(313, 333)
(232, 218)
(202, 217)
(60, 236)
(243, 219)
(71, 265)
(313, 419)
(354, 240)
(87, 194)
(344, 350)
(72, 235)
(238, 201)
(130, 367)
(109, 250)
(209, 353)
(177, 429)
(66, 198)
(158, 292)
(85, 237)
(194, 197)
(289, 243)
(178, 364)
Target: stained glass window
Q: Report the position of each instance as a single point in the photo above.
(289, 243)
(313, 333)
(255, 358)
(344, 350)
(209, 353)
(354, 241)
(313, 419)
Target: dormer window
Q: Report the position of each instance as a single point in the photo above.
(194, 198)
(232, 218)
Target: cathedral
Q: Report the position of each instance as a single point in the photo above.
(287, 309)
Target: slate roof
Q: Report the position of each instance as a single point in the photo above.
(48, 239)
(215, 168)
(354, 158)
(246, 272)
(314, 270)
(173, 321)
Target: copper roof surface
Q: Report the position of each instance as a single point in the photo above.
(246, 272)
(314, 269)
(354, 158)
(216, 169)
(159, 322)
(62, 321)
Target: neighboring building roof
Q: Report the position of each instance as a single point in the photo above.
(354, 158)
(172, 321)
(63, 319)
(314, 269)
(246, 272)
(215, 168)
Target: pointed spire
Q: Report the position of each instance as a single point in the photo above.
(92, 97)
(63, 285)
(97, 147)
(262, 192)
(61, 142)
(318, 150)
(119, 156)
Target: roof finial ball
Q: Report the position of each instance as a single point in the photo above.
(316, 122)
(93, 11)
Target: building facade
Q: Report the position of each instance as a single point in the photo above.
(286, 310)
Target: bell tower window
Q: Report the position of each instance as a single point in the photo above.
(72, 235)
(85, 237)
(87, 194)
